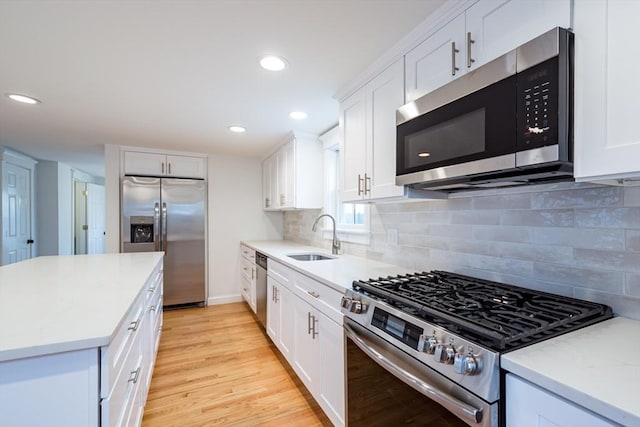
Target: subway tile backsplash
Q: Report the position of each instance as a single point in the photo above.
(580, 240)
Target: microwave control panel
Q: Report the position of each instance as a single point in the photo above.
(538, 105)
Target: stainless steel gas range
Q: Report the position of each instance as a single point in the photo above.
(424, 348)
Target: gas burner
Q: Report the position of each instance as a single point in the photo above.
(500, 316)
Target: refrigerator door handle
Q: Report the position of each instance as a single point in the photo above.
(165, 244)
(156, 224)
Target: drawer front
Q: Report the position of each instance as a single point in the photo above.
(154, 284)
(248, 269)
(119, 405)
(319, 296)
(113, 356)
(248, 253)
(282, 274)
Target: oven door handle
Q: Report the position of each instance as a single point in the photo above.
(464, 411)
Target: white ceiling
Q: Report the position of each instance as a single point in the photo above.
(174, 74)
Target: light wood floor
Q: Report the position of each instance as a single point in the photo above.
(216, 367)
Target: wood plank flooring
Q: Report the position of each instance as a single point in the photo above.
(217, 367)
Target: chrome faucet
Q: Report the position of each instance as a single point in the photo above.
(335, 245)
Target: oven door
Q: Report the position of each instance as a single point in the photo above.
(385, 386)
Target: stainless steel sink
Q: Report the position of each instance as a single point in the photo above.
(309, 257)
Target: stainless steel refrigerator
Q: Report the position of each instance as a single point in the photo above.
(168, 214)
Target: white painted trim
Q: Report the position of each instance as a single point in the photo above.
(226, 299)
(435, 21)
(161, 151)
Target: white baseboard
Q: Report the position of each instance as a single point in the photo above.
(226, 299)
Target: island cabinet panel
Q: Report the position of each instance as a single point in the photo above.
(103, 384)
(58, 390)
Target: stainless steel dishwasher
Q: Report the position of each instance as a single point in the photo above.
(261, 288)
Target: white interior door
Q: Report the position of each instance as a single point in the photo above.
(80, 218)
(95, 219)
(16, 215)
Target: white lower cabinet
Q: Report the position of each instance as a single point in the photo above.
(304, 322)
(100, 386)
(248, 278)
(531, 406)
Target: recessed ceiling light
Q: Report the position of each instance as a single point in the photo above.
(237, 129)
(273, 63)
(23, 98)
(424, 154)
(298, 115)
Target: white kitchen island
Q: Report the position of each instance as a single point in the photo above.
(78, 338)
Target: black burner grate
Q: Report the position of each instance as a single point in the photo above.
(499, 316)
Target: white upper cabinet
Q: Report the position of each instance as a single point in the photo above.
(437, 60)
(486, 30)
(607, 144)
(368, 143)
(292, 176)
(154, 164)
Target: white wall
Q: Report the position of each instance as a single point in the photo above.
(47, 207)
(65, 210)
(235, 214)
(112, 198)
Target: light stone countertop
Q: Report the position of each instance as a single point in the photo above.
(337, 273)
(53, 304)
(596, 367)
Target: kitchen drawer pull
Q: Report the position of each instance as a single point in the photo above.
(453, 58)
(152, 308)
(151, 290)
(470, 41)
(133, 377)
(313, 294)
(133, 326)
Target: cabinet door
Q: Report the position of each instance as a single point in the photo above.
(437, 60)
(287, 303)
(353, 127)
(532, 406)
(286, 175)
(498, 26)
(306, 357)
(186, 167)
(331, 379)
(607, 145)
(136, 163)
(385, 94)
(268, 183)
(273, 311)
(245, 290)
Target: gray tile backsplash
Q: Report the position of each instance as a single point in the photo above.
(580, 240)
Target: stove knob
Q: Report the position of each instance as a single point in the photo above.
(470, 365)
(356, 307)
(346, 302)
(450, 354)
(445, 353)
(431, 344)
(458, 363)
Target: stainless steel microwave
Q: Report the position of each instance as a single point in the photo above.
(507, 123)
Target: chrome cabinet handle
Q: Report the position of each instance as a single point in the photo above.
(133, 326)
(163, 167)
(313, 294)
(169, 168)
(470, 41)
(453, 58)
(308, 323)
(367, 179)
(253, 273)
(133, 377)
(359, 185)
(313, 328)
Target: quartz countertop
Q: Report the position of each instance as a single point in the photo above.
(337, 273)
(53, 304)
(596, 367)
